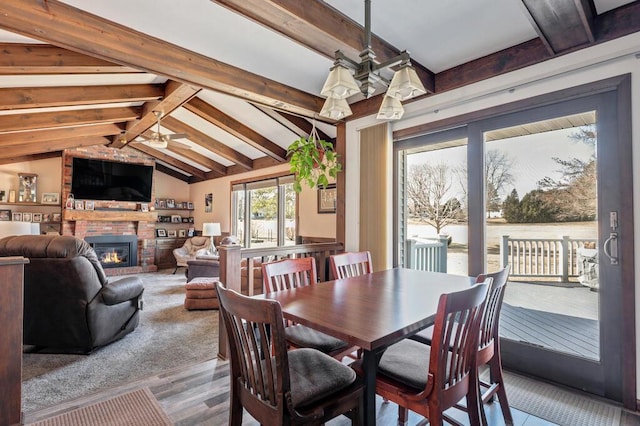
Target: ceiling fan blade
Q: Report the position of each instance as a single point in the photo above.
(177, 136)
(179, 145)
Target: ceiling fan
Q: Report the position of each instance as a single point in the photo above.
(158, 140)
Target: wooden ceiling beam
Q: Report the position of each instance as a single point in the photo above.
(44, 137)
(31, 157)
(208, 142)
(24, 59)
(175, 94)
(562, 25)
(50, 120)
(38, 147)
(217, 168)
(65, 26)
(304, 125)
(236, 128)
(159, 155)
(320, 27)
(40, 97)
(173, 173)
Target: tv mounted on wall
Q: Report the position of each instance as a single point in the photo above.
(110, 180)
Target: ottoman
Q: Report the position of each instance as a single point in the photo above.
(201, 294)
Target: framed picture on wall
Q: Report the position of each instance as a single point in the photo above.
(327, 198)
(50, 198)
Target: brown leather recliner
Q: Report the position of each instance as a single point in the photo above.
(69, 304)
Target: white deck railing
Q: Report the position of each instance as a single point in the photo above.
(427, 255)
(543, 257)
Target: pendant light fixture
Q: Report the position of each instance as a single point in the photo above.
(341, 83)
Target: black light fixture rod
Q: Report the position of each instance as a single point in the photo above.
(367, 24)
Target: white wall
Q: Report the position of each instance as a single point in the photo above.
(606, 60)
(49, 173)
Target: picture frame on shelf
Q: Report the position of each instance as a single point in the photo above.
(28, 183)
(162, 204)
(172, 233)
(50, 198)
(3, 196)
(191, 232)
(144, 207)
(37, 217)
(12, 196)
(88, 205)
(171, 203)
(27, 217)
(5, 215)
(16, 216)
(79, 205)
(46, 217)
(190, 206)
(56, 217)
(182, 232)
(161, 233)
(176, 218)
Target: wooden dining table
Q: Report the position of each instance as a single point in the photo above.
(372, 311)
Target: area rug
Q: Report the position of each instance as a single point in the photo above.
(167, 337)
(557, 405)
(138, 408)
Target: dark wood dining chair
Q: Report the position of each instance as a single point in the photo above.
(302, 386)
(431, 379)
(488, 343)
(350, 264)
(293, 273)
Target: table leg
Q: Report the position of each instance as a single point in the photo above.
(369, 365)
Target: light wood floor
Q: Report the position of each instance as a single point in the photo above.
(199, 395)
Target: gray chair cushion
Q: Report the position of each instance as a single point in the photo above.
(305, 337)
(315, 375)
(408, 362)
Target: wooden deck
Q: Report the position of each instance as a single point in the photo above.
(559, 332)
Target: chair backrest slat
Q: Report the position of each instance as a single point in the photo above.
(489, 326)
(289, 273)
(455, 340)
(350, 264)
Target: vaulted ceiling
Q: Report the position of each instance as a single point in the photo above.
(240, 79)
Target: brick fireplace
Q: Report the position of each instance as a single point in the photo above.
(115, 251)
(111, 218)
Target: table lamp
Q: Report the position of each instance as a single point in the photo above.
(211, 230)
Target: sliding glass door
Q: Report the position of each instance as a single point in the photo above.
(548, 193)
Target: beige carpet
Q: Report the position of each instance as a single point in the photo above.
(138, 408)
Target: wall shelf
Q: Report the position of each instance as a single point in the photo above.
(104, 215)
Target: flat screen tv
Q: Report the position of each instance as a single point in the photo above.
(110, 180)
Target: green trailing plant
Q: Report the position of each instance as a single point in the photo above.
(313, 161)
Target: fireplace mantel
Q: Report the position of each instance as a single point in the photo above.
(110, 215)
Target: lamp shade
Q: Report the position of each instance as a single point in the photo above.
(405, 84)
(340, 83)
(391, 109)
(211, 229)
(335, 109)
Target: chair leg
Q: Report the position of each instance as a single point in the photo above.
(174, 271)
(403, 415)
(495, 370)
(475, 410)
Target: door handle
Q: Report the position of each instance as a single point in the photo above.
(610, 248)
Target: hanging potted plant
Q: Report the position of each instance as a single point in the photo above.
(313, 161)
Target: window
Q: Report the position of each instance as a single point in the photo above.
(264, 212)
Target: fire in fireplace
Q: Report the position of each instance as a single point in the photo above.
(115, 251)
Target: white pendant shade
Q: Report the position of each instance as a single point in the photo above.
(405, 84)
(391, 109)
(340, 84)
(335, 109)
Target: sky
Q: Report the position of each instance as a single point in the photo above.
(532, 156)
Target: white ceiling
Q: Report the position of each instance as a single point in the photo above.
(438, 34)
